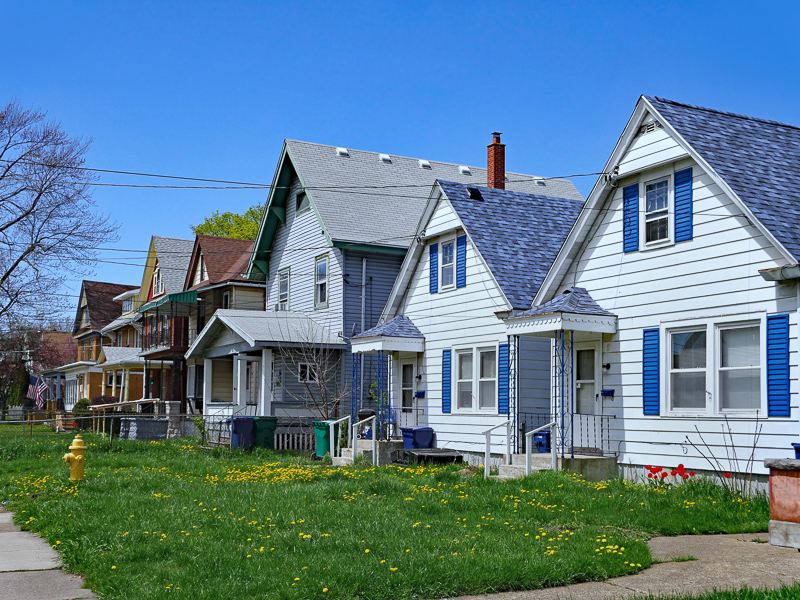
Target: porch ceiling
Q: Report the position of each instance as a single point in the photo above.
(382, 343)
(545, 325)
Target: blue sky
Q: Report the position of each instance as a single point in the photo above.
(204, 89)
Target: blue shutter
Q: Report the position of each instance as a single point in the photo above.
(461, 261)
(630, 218)
(434, 249)
(778, 366)
(683, 205)
(502, 381)
(650, 373)
(446, 379)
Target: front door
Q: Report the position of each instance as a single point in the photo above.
(586, 420)
(408, 413)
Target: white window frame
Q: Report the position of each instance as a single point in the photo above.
(226, 299)
(158, 283)
(442, 286)
(325, 282)
(109, 379)
(298, 201)
(284, 303)
(309, 372)
(119, 375)
(713, 326)
(654, 176)
(475, 351)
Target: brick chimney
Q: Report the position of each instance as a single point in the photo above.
(496, 169)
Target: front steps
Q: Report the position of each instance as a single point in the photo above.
(387, 452)
(593, 468)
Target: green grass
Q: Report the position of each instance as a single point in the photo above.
(159, 520)
(687, 558)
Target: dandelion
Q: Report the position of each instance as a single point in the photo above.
(324, 590)
(366, 551)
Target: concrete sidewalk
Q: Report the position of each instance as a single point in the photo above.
(724, 562)
(29, 568)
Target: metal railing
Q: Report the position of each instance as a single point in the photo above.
(335, 438)
(354, 439)
(488, 451)
(529, 446)
(591, 434)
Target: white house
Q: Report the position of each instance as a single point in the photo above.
(681, 317)
(480, 254)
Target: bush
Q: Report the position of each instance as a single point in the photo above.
(80, 413)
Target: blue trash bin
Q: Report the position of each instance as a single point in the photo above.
(796, 451)
(417, 437)
(241, 432)
(542, 441)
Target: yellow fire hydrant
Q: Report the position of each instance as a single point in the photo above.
(75, 458)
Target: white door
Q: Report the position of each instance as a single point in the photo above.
(586, 422)
(408, 413)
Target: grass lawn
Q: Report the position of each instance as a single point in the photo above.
(165, 520)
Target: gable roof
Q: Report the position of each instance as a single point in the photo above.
(400, 326)
(173, 256)
(100, 303)
(360, 199)
(517, 234)
(119, 355)
(575, 300)
(225, 260)
(759, 159)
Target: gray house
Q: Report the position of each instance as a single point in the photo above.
(337, 227)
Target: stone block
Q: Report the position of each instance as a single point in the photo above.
(784, 533)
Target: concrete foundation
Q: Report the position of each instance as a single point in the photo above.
(784, 502)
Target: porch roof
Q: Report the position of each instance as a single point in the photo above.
(253, 329)
(572, 310)
(396, 335)
(189, 297)
(118, 355)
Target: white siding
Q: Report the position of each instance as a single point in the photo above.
(457, 317)
(297, 244)
(713, 275)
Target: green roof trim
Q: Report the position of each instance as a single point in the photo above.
(370, 248)
(186, 297)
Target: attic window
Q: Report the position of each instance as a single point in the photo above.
(424, 164)
(649, 127)
(302, 202)
(342, 152)
(385, 158)
(464, 170)
(474, 193)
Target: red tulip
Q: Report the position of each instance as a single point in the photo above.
(691, 473)
(727, 475)
(649, 475)
(674, 473)
(663, 476)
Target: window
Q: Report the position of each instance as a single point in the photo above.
(447, 276)
(226, 300)
(306, 373)
(120, 381)
(158, 284)
(321, 281)
(487, 383)
(656, 211)
(127, 305)
(109, 379)
(464, 389)
(200, 272)
(716, 367)
(302, 202)
(283, 290)
(407, 387)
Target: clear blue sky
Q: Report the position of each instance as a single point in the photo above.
(210, 90)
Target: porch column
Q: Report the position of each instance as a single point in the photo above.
(207, 366)
(265, 389)
(126, 378)
(113, 383)
(240, 378)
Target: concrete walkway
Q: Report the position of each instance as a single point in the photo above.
(724, 562)
(29, 568)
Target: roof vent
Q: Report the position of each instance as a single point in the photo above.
(424, 164)
(540, 182)
(650, 127)
(474, 193)
(385, 158)
(464, 170)
(342, 152)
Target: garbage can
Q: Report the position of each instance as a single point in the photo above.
(542, 441)
(264, 436)
(796, 451)
(417, 437)
(241, 431)
(323, 432)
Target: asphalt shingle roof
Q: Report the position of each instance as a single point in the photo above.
(517, 234)
(385, 201)
(173, 256)
(400, 326)
(225, 258)
(759, 159)
(574, 300)
(103, 309)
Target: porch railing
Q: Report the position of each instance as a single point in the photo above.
(488, 451)
(591, 434)
(354, 439)
(335, 438)
(529, 446)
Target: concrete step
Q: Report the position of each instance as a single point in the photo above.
(511, 471)
(538, 461)
(341, 461)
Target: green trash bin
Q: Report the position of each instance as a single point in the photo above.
(323, 432)
(265, 431)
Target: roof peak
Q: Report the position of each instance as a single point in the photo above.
(721, 112)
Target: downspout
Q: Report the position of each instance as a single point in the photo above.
(363, 316)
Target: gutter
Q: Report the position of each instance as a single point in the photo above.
(784, 273)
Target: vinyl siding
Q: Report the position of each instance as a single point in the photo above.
(248, 298)
(222, 381)
(710, 276)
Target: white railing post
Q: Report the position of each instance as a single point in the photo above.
(528, 457)
(487, 455)
(332, 428)
(529, 444)
(553, 446)
(374, 440)
(508, 442)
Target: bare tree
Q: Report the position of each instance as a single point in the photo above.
(48, 230)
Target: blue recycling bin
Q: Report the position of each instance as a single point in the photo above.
(542, 441)
(241, 431)
(417, 437)
(796, 451)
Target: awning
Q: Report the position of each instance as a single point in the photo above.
(397, 335)
(574, 310)
(189, 297)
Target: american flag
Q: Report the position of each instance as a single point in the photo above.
(41, 388)
(32, 388)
